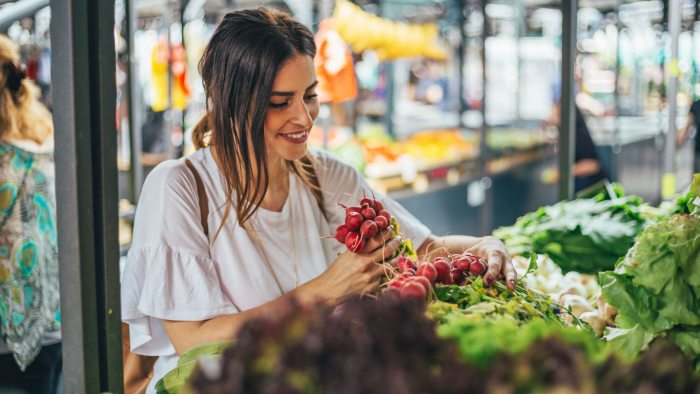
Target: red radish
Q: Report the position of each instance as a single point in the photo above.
(478, 267)
(355, 242)
(405, 276)
(369, 213)
(410, 271)
(378, 206)
(405, 263)
(393, 294)
(354, 220)
(385, 214)
(447, 281)
(424, 282)
(394, 284)
(456, 275)
(427, 270)
(414, 291)
(369, 229)
(462, 263)
(382, 223)
(350, 209)
(341, 233)
(463, 283)
(366, 201)
(442, 267)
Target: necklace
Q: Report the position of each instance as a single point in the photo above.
(294, 249)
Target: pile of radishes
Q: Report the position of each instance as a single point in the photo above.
(361, 223)
(416, 282)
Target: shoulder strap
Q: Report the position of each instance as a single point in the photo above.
(202, 194)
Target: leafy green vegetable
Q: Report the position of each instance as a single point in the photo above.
(481, 341)
(656, 288)
(584, 235)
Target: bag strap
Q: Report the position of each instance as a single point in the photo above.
(202, 194)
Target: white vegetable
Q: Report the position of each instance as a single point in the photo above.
(575, 289)
(596, 322)
(610, 315)
(574, 276)
(578, 304)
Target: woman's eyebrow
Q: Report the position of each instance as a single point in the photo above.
(289, 94)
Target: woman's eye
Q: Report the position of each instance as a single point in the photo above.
(311, 97)
(278, 105)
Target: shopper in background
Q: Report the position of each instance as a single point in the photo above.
(587, 168)
(30, 348)
(196, 273)
(684, 134)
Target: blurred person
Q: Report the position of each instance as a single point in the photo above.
(30, 343)
(587, 168)
(684, 134)
(232, 232)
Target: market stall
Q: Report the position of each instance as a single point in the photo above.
(455, 129)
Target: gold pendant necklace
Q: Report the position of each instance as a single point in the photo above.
(294, 249)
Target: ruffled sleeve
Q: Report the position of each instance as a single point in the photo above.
(340, 182)
(168, 272)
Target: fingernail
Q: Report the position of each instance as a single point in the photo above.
(512, 282)
(488, 280)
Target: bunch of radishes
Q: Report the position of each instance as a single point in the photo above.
(416, 282)
(361, 223)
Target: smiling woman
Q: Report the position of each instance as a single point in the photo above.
(234, 232)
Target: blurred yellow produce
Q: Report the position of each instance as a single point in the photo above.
(388, 39)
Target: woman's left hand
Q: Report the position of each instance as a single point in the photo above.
(500, 266)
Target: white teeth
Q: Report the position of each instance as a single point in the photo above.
(299, 135)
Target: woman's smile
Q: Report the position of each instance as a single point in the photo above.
(299, 137)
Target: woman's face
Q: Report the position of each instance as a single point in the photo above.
(292, 110)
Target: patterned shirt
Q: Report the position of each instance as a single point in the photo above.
(29, 287)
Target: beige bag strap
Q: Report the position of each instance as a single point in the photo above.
(202, 194)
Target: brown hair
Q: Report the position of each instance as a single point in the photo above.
(22, 116)
(238, 70)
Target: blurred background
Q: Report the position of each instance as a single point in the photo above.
(450, 107)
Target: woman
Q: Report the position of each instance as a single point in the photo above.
(30, 348)
(181, 286)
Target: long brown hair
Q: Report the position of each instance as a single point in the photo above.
(238, 69)
(22, 116)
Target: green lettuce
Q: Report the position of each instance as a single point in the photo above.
(656, 288)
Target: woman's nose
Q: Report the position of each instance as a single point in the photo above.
(302, 117)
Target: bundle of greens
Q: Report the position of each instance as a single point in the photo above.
(584, 235)
(472, 301)
(656, 289)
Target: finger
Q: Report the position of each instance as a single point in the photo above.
(378, 240)
(510, 274)
(393, 262)
(385, 251)
(495, 261)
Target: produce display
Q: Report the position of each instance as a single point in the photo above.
(387, 346)
(656, 289)
(586, 235)
(432, 326)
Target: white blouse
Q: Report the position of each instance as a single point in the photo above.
(173, 271)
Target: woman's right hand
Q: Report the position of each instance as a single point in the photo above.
(354, 274)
